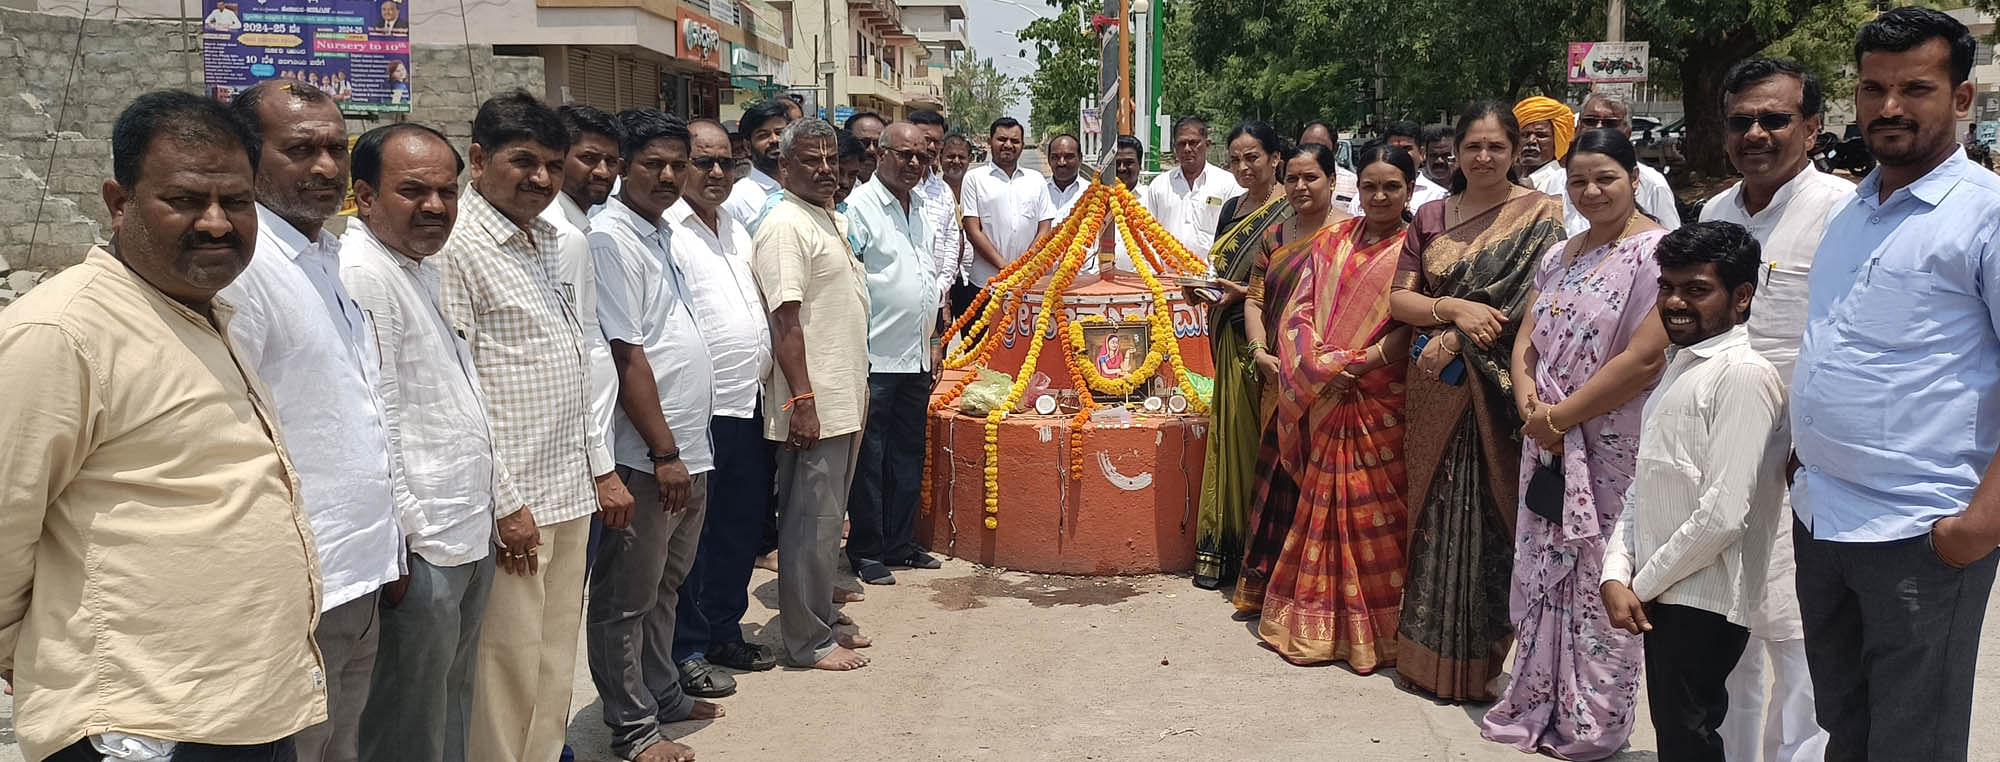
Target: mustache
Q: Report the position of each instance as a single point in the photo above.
(194, 239)
(1894, 122)
(428, 218)
(319, 184)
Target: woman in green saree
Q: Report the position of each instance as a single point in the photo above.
(1229, 472)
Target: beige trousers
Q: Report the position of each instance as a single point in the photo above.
(527, 653)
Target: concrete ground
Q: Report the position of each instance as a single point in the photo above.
(978, 664)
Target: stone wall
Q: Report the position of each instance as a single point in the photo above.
(59, 148)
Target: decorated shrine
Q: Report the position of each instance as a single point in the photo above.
(1085, 453)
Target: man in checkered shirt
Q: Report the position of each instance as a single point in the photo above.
(502, 290)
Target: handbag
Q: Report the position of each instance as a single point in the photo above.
(1545, 491)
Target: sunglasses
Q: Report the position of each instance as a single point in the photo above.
(1739, 123)
(1598, 122)
(710, 163)
(909, 157)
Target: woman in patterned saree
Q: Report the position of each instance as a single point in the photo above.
(1337, 583)
(1463, 284)
(1234, 425)
(1309, 174)
(1586, 358)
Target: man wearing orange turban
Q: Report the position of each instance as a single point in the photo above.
(1546, 129)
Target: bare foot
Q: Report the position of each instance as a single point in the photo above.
(841, 617)
(844, 595)
(706, 710)
(855, 640)
(841, 660)
(665, 751)
(768, 561)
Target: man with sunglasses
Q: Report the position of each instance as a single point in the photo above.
(1604, 111)
(1771, 111)
(712, 250)
(889, 229)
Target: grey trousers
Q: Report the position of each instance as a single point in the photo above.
(1892, 639)
(635, 586)
(812, 497)
(346, 637)
(420, 702)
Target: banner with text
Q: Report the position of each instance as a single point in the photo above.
(358, 51)
(1600, 62)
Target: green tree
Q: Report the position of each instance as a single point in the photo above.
(976, 93)
(1066, 58)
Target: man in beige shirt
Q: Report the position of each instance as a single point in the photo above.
(144, 488)
(815, 402)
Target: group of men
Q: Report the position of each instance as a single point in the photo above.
(402, 453)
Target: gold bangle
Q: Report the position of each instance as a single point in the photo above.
(1550, 422)
(1439, 320)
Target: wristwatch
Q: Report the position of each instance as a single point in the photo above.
(663, 458)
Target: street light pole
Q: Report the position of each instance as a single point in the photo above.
(1142, 123)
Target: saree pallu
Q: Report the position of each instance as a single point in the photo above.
(1275, 280)
(1336, 586)
(1229, 469)
(1463, 450)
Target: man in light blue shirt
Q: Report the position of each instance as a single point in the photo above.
(1896, 411)
(888, 228)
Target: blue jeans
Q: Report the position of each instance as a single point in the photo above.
(717, 589)
(888, 475)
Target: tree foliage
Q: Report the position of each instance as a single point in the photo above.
(1066, 58)
(976, 93)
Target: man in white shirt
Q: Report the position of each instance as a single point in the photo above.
(1007, 206)
(940, 208)
(665, 397)
(761, 125)
(1785, 203)
(1439, 162)
(712, 251)
(589, 170)
(1655, 196)
(1685, 565)
(954, 164)
(406, 196)
(1187, 200)
(223, 19)
(1346, 186)
(1547, 128)
(298, 329)
(888, 228)
(1066, 184)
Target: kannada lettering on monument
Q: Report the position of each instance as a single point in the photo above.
(358, 51)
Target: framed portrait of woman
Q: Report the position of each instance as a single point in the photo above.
(1115, 350)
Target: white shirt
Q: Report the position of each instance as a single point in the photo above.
(1423, 192)
(1346, 186)
(439, 438)
(223, 20)
(726, 303)
(1706, 497)
(746, 198)
(1654, 195)
(948, 250)
(297, 328)
(891, 244)
(1009, 208)
(1190, 210)
(579, 278)
(1065, 200)
(643, 301)
(1789, 230)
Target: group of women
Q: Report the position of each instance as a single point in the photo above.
(1425, 424)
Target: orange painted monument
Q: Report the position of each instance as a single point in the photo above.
(1092, 461)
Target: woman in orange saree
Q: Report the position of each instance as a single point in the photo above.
(1336, 588)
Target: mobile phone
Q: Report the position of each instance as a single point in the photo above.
(1454, 371)
(1209, 294)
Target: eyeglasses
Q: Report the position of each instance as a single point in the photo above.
(710, 163)
(1740, 123)
(909, 157)
(1597, 122)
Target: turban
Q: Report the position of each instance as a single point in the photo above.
(1545, 109)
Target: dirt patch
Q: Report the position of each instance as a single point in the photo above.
(1044, 591)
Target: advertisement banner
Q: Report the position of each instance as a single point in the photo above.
(358, 51)
(700, 39)
(1599, 62)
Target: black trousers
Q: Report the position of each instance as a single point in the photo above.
(1892, 639)
(962, 295)
(275, 751)
(1689, 655)
(888, 477)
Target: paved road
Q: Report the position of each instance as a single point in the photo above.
(976, 664)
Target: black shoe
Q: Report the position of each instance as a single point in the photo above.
(748, 657)
(874, 573)
(702, 680)
(919, 560)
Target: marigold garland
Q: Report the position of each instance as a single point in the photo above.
(1061, 253)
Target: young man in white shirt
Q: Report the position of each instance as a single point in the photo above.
(1655, 196)
(406, 196)
(712, 251)
(940, 208)
(298, 329)
(761, 125)
(1187, 200)
(666, 385)
(1007, 206)
(1685, 564)
(1772, 114)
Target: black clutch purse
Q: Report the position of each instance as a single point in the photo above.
(1545, 491)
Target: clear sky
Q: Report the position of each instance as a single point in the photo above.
(993, 24)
